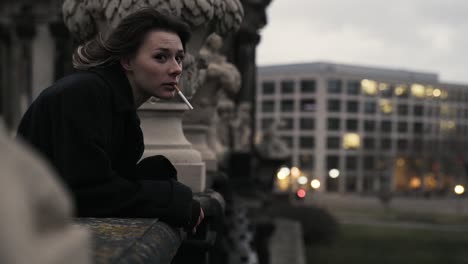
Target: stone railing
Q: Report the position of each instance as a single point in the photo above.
(117, 240)
(148, 240)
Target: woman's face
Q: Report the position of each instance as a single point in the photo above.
(156, 67)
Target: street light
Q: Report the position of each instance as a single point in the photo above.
(334, 173)
(315, 184)
(459, 190)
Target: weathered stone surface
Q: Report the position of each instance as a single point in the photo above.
(118, 240)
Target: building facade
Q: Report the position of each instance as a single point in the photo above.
(365, 130)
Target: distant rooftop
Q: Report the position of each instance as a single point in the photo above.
(347, 69)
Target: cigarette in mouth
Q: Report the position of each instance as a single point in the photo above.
(183, 98)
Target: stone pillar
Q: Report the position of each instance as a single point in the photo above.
(240, 49)
(5, 44)
(162, 122)
(25, 31)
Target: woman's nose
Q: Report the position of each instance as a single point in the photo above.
(175, 68)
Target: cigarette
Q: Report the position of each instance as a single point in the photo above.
(184, 98)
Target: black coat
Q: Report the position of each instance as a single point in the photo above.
(87, 126)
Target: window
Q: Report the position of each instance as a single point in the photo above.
(287, 87)
(307, 142)
(333, 124)
(402, 144)
(352, 106)
(268, 87)
(333, 142)
(418, 110)
(368, 162)
(268, 106)
(308, 86)
(402, 109)
(369, 125)
(386, 90)
(306, 161)
(307, 123)
(334, 105)
(386, 126)
(288, 140)
(334, 86)
(418, 128)
(333, 162)
(351, 183)
(353, 87)
(351, 125)
(418, 145)
(370, 107)
(351, 163)
(369, 143)
(287, 123)
(402, 127)
(386, 144)
(308, 105)
(287, 106)
(266, 123)
(351, 141)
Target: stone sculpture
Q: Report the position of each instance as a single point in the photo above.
(36, 212)
(271, 145)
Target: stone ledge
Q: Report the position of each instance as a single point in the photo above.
(126, 240)
(286, 244)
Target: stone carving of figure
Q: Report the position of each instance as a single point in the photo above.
(225, 115)
(36, 212)
(272, 146)
(219, 76)
(217, 80)
(241, 128)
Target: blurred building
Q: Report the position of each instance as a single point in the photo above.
(35, 50)
(362, 129)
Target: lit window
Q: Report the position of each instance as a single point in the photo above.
(401, 90)
(386, 90)
(436, 92)
(418, 90)
(369, 87)
(351, 141)
(386, 106)
(429, 91)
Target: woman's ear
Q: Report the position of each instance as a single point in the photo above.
(126, 63)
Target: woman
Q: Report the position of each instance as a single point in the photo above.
(86, 123)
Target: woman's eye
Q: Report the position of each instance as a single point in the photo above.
(179, 59)
(160, 57)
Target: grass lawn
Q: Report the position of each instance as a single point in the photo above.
(382, 245)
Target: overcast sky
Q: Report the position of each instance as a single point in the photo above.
(420, 35)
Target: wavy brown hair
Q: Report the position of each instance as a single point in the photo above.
(127, 38)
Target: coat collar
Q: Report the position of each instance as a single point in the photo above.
(115, 76)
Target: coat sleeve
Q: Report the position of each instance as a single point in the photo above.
(81, 129)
